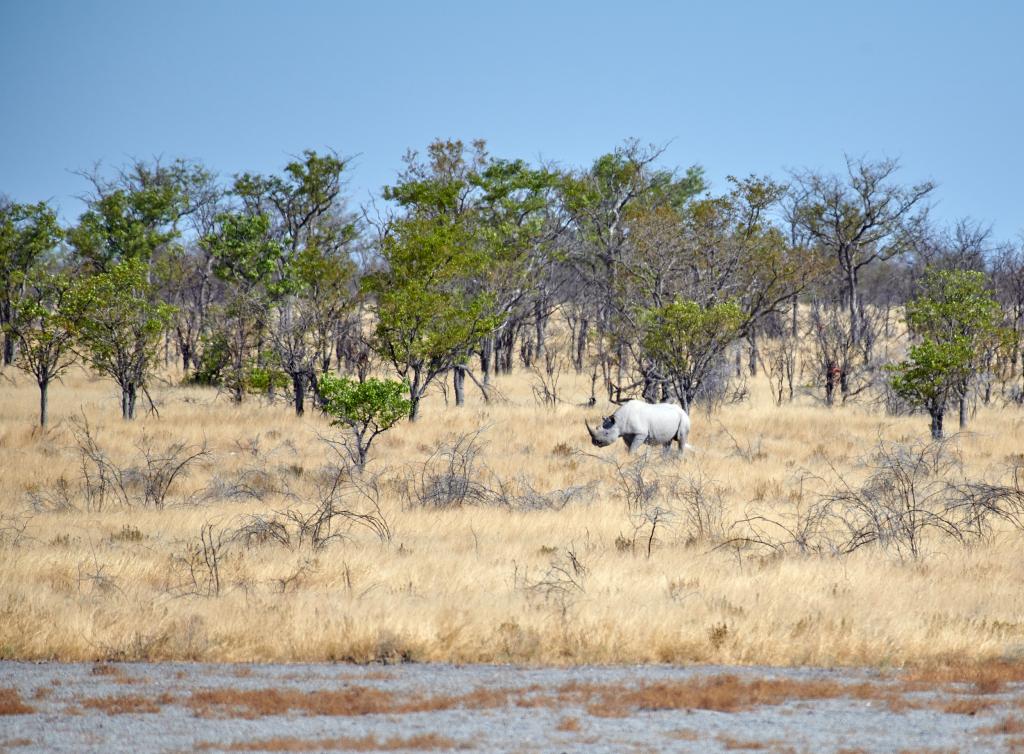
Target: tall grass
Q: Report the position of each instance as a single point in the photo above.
(537, 551)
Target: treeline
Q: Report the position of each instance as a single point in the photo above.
(662, 289)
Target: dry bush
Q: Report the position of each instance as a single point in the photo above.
(904, 497)
(519, 494)
(102, 482)
(562, 582)
(912, 491)
(449, 477)
(198, 568)
(12, 529)
(331, 519)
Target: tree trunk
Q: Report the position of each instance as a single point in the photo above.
(43, 387)
(414, 394)
(6, 315)
(794, 330)
(936, 415)
(507, 349)
(752, 363)
(459, 383)
(540, 326)
(854, 304)
(526, 352)
(128, 394)
(299, 386)
(486, 353)
(239, 377)
(581, 345)
(831, 372)
(963, 411)
(650, 391)
(8, 349)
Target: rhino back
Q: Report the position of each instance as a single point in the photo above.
(659, 421)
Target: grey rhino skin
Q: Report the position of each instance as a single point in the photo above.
(639, 423)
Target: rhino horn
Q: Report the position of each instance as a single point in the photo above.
(593, 434)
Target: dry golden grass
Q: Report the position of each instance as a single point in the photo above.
(481, 583)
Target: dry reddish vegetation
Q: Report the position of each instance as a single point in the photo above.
(425, 741)
(131, 704)
(730, 743)
(988, 677)
(723, 693)
(355, 700)
(569, 725)
(11, 703)
(1011, 724)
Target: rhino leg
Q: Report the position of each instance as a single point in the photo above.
(636, 442)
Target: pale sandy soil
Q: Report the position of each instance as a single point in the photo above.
(153, 708)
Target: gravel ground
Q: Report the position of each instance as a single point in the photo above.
(94, 708)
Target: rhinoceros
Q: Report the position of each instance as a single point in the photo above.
(639, 422)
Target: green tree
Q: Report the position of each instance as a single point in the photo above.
(599, 205)
(308, 221)
(956, 318)
(368, 408)
(429, 315)
(118, 326)
(42, 331)
(27, 233)
(686, 341)
(245, 257)
(861, 220)
(137, 213)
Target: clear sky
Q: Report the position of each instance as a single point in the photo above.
(737, 87)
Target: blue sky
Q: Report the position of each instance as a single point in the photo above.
(737, 87)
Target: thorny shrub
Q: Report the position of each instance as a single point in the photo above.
(912, 491)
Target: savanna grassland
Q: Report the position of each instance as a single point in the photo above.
(496, 533)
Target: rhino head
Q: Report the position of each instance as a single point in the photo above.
(606, 435)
